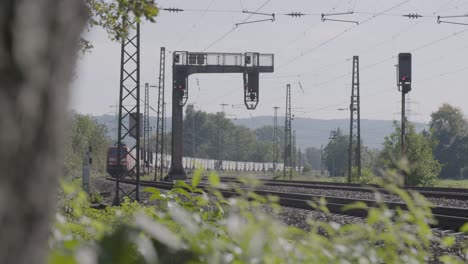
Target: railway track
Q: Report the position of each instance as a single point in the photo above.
(447, 217)
(434, 192)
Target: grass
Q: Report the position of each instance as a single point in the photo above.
(453, 183)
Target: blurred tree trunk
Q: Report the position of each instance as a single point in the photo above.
(38, 46)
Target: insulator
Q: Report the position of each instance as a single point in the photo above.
(413, 16)
(173, 10)
(295, 14)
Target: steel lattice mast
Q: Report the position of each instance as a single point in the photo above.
(160, 117)
(354, 151)
(129, 110)
(146, 131)
(275, 138)
(287, 134)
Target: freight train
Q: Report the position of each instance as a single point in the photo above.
(128, 163)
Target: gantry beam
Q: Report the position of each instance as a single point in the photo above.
(250, 64)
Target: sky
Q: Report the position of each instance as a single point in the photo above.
(315, 57)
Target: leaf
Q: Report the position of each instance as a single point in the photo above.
(448, 241)
(356, 205)
(182, 184)
(196, 179)
(464, 228)
(158, 232)
(214, 179)
(152, 190)
(183, 192)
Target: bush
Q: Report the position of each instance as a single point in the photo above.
(367, 176)
(189, 227)
(95, 198)
(307, 168)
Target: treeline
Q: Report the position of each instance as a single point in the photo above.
(213, 136)
(441, 151)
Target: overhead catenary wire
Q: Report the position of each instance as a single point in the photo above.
(185, 35)
(392, 57)
(379, 62)
(304, 53)
(234, 28)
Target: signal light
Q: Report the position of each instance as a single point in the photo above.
(404, 67)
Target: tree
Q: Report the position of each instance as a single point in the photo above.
(85, 132)
(213, 136)
(336, 153)
(457, 166)
(423, 169)
(313, 157)
(447, 126)
(38, 48)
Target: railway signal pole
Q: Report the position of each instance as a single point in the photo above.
(287, 135)
(404, 79)
(275, 139)
(129, 111)
(294, 151)
(354, 150)
(146, 130)
(160, 117)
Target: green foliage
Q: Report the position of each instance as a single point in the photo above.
(422, 168)
(336, 154)
(85, 132)
(95, 198)
(367, 176)
(110, 15)
(186, 226)
(213, 136)
(307, 168)
(449, 129)
(313, 157)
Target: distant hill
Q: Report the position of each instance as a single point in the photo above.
(309, 132)
(316, 132)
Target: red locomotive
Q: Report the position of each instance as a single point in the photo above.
(127, 163)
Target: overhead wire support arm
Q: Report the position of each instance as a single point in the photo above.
(272, 19)
(258, 13)
(439, 21)
(255, 21)
(324, 18)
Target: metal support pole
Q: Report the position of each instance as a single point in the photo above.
(177, 171)
(163, 133)
(87, 161)
(403, 131)
(146, 130)
(129, 111)
(287, 134)
(354, 149)
(160, 117)
(293, 151)
(275, 139)
(193, 135)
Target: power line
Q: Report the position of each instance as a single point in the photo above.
(234, 28)
(393, 57)
(184, 36)
(340, 34)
